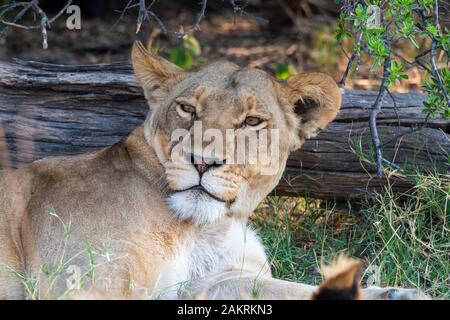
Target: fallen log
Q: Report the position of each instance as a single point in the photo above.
(62, 110)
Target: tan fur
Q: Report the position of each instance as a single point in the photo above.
(342, 280)
(109, 213)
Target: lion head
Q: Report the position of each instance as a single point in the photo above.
(223, 133)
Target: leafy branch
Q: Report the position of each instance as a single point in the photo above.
(377, 27)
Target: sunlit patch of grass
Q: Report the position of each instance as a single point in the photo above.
(404, 241)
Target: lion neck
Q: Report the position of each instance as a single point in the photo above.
(143, 155)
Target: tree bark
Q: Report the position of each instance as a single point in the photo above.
(63, 110)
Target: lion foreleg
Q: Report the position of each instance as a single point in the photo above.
(238, 285)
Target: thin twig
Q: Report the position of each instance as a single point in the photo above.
(26, 7)
(142, 15)
(122, 13)
(414, 63)
(348, 6)
(44, 21)
(240, 9)
(355, 55)
(376, 108)
(146, 14)
(44, 24)
(61, 12)
(196, 25)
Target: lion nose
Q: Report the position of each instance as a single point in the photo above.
(203, 164)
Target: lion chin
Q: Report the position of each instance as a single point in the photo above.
(198, 205)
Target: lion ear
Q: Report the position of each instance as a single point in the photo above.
(155, 74)
(313, 100)
(342, 280)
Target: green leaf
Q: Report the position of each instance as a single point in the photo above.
(284, 71)
(181, 57)
(342, 33)
(191, 44)
(432, 30)
(414, 41)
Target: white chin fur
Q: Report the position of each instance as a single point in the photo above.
(196, 206)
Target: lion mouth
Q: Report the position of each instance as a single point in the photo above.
(200, 189)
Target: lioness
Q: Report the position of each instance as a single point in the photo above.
(133, 221)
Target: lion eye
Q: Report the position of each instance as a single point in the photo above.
(252, 121)
(187, 108)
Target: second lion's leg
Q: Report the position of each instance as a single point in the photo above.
(240, 285)
(249, 278)
(234, 285)
(390, 293)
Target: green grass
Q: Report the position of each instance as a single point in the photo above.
(404, 242)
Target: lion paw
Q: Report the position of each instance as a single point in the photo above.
(376, 293)
(407, 294)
